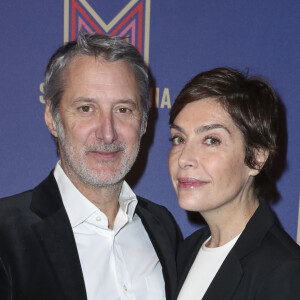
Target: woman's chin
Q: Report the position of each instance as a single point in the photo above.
(189, 204)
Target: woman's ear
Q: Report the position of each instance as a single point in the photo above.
(260, 157)
(50, 122)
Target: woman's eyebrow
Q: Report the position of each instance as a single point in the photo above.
(174, 126)
(201, 128)
(210, 127)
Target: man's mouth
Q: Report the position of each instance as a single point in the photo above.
(105, 154)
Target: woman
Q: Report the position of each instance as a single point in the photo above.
(223, 133)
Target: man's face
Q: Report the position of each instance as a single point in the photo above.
(99, 121)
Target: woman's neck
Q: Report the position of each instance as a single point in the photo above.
(230, 220)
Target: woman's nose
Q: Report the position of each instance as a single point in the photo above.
(188, 157)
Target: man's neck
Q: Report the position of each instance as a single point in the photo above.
(105, 198)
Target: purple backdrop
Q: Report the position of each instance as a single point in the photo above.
(185, 37)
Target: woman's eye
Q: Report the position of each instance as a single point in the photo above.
(177, 140)
(212, 141)
(85, 108)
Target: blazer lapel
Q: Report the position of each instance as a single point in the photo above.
(55, 235)
(164, 250)
(229, 275)
(226, 280)
(193, 250)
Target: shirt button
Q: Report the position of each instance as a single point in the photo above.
(124, 288)
(98, 218)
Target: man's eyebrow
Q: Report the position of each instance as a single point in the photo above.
(202, 128)
(94, 100)
(84, 100)
(127, 101)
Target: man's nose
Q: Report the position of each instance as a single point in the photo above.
(106, 130)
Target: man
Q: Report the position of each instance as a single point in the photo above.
(82, 233)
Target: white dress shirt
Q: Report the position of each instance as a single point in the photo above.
(118, 263)
(205, 267)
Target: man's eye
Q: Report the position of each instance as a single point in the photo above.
(86, 108)
(124, 110)
(212, 141)
(176, 140)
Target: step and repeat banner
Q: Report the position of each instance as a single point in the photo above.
(177, 39)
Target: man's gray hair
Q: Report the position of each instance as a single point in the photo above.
(110, 48)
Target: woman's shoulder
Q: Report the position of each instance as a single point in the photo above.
(277, 264)
(271, 237)
(282, 243)
(276, 255)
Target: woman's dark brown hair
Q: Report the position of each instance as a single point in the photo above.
(251, 103)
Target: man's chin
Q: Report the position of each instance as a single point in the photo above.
(102, 179)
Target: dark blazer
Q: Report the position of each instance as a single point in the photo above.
(264, 264)
(38, 254)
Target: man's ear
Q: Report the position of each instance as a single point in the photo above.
(49, 119)
(260, 157)
(144, 128)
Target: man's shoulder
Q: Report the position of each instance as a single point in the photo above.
(149, 204)
(22, 197)
(16, 201)
(154, 208)
(159, 212)
(19, 205)
(15, 215)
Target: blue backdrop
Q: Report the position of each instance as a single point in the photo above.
(179, 39)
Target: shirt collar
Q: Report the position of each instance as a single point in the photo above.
(79, 208)
(127, 200)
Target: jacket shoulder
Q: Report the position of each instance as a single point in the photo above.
(276, 265)
(154, 207)
(162, 215)
(284, 246)
(18, 201)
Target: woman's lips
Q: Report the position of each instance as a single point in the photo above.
(190, 183)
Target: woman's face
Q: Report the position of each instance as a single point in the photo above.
(206, 161)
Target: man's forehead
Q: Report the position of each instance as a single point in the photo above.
(83, 59)
(84, 70)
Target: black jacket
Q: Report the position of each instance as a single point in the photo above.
(38, 253)
(264, 264)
